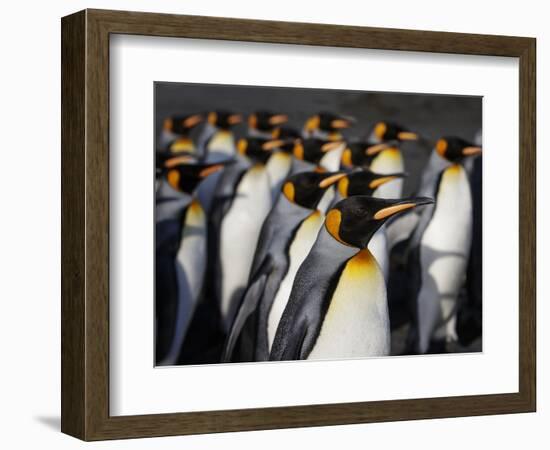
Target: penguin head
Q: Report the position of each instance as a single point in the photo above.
(224, 119)
(364, 182)
(266, 120)
(455, 149)
(328, 122)
(307, 188)
(258, 149)
(182, 125)
(313, 149)
(184, 173)
(361, 153)
(388, 131)
(354, 220)
(286, 132)
(291, 138)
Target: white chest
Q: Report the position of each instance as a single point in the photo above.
(331, 161)
(222, 142)
(445, 245)
(387, 162)
(240, 230)
(450, 228)
(191, 254)
(278, 167)
(356, 324)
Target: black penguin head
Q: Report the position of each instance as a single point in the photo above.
(328, 122)
(266, 120)
(455, 149)
(258, 149)
(286, 132)
(354, 220)
(364, 182)
(307, 188)
(224, 119)
(361, 154)
(313, 149)
(182, 125)
(291, 138)
(184, 173)
(388, 131)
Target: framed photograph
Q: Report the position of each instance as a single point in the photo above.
(272, 225)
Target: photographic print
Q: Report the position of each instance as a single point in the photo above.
(311, 224)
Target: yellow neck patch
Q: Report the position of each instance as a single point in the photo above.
(361, 265)
(182, 145)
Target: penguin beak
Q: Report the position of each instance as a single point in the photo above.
(385, 179)
(278, 119)
(377, 148)
(234, 119)
(330, 180)
(210, 170)
(252, 121)
(331, 146)
(469, 151)
(339, 124)
(273, 144)
(173, 162)
(403, 205)
(407, 136)
(192, 121)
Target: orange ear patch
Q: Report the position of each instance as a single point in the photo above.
(174, 178)
(441, 147)
(380, 130)
(289, 191)
(332, 223)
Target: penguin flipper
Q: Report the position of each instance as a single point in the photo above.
(241, 342)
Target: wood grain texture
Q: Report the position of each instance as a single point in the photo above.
(73, 109)
(85, 224)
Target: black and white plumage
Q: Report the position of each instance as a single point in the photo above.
(339, 288)
(440, 248)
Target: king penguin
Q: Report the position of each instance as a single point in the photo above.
(439, 250)
(181, 233)
(286, 237)
(320, 152)
(266, 124)
(242, 206)
(221, 142)
(176, 140)
(338, 306)
(326, 125)
(176, 133)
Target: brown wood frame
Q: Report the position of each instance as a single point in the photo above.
(85, 224)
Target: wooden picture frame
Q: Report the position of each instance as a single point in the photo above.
(85, 224)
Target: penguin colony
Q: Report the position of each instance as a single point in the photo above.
(284, 244)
